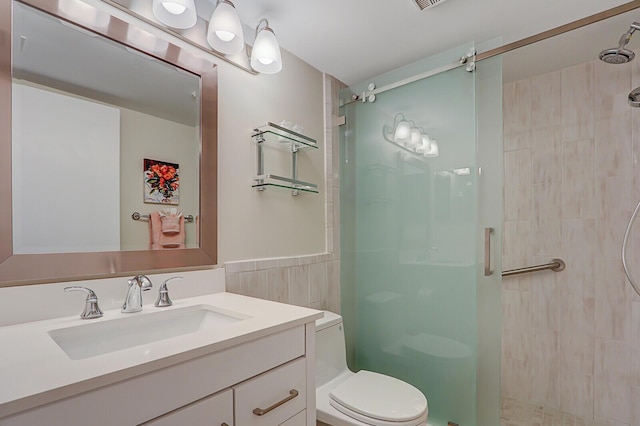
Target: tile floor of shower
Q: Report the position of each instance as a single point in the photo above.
(518, 413)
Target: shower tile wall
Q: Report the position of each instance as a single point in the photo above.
(571, 340)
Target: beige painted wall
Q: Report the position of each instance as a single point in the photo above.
(271, 223)
(571, 339)
(145, 136)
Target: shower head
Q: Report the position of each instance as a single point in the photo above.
(634, 97)
(620, 55)
(617, 56)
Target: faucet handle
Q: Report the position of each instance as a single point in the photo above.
(91, 308)
(163, 295)
(143, 281)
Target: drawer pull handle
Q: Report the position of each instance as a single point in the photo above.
(262, 411)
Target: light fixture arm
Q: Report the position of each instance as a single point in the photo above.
(266, 25)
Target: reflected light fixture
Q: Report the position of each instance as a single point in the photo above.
(402, 129)
(415, 140)
(426, 144)
(265, 55)
(179, 14)
(433, 150)
(225, 29)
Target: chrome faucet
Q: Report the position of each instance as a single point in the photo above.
(133, 301)
(91, 308)
(163, 299)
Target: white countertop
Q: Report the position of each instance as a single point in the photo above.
(34, 370)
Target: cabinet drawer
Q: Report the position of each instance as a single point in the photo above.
(299, 419)
(272, 397)
(215, 410)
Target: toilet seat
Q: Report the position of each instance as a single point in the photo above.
(380, 400)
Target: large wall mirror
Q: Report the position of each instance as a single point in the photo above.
(108, 147)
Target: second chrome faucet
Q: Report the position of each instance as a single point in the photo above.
(133, 301)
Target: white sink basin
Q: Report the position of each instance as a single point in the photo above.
(97, 338)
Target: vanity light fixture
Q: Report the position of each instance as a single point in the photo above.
(265, 55)
(401, 129)
(426, 144)
(415, 140)
(433, 150)
(179, 14)
(225, 29)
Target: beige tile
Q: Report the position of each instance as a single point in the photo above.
(579, 241)
(278, 285)
(299, 289)
(578, 179)
(254, 284)
(578, 102)
(517, 141)
(613, 194)
(577, 394)
(546, 301)
(240, 266)
(517, 106)
(516, 379)
(635, 405)
(577, 335)
(516, 246)
(333, 278)
(613, 303)
(611, 381)
(546, 225)
(546, 155)
(546, 100)
(232, 283)
(319, 291)
(545, 368)
(613, 144)
(612, 86)
(517, 185)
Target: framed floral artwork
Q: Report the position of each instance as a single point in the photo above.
(161, 182)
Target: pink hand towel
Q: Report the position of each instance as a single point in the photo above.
(170, 224)
(159, 240)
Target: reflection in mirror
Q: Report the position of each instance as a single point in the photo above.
(92, 130)
(84, 121)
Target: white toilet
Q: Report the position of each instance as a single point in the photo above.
(345, 398)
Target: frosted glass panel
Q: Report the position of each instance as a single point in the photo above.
(409, 238)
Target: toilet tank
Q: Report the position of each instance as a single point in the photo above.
(331, 356)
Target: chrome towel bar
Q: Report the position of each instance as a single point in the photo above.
(555, 265)
(138, 216)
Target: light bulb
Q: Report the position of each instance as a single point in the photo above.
(174, 8)
(225, 35)
(266, 61)
(415, 140)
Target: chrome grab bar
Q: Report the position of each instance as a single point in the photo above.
(487, 252)
(555, 265)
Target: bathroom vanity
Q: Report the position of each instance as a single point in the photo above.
(219, 359)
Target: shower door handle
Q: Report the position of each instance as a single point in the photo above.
(487, 251)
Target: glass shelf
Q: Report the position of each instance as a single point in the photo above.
(274, 134)
(271, 131)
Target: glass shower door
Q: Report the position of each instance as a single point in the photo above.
(412, 255)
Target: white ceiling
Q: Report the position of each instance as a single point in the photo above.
(354, 40)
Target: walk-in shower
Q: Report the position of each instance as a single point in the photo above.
(622, 55)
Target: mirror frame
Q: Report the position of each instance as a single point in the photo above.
(23, 269)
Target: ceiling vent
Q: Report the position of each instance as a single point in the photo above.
(424, 4)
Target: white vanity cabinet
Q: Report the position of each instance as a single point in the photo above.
(207, 388)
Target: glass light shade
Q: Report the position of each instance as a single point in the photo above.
(426, 144)
(415, 140)
(402, 134)
(179, 14)
(433, 150)
(84, 13)
(265, 55)
(225, 29)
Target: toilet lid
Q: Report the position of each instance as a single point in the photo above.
(380, 397)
